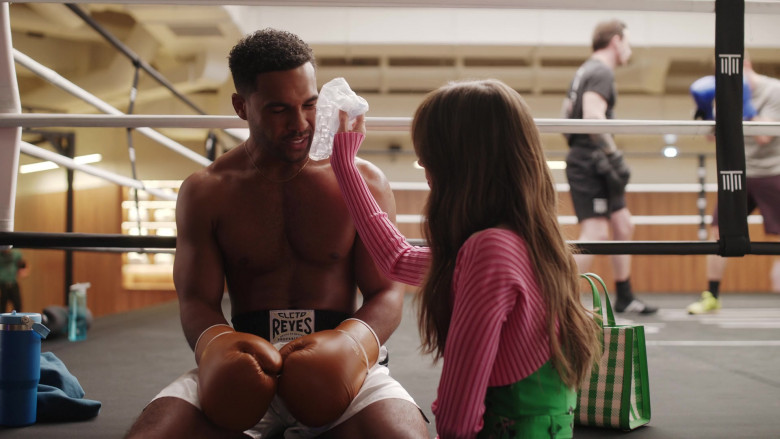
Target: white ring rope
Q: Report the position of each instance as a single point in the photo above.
(640, 220)
(564, 187)
(69, 163)
(613, 126)
(59, 81)
(10, 136)
(751, 6)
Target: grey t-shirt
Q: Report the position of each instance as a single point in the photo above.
(593, 76)
(764, 160)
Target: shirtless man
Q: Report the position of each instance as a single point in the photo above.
(272, 225)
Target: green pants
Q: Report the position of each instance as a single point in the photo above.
(538, 406)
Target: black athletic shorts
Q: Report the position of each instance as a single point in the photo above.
(588, 189)
(762, 193)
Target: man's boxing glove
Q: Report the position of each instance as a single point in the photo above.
(703, 93)
(748, 110)
(323, 371)
(237, 376)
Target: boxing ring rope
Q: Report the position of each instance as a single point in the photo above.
(150, 244)
(545, 125)
(136, 60)
(69, 163)
(56, 79)
(117, 242)
(10, 136)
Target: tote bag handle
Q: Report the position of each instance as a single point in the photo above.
(597, 300)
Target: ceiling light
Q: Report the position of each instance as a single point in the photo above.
(670, 151)
(47, 165)
(37, 167)
(556, 164)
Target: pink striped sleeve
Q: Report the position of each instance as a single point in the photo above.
(397, 259)
(486, 287)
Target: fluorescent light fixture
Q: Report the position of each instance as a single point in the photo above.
(670, 151)
(37, 167)
(47, 165)
(556, 164)
(416, 165)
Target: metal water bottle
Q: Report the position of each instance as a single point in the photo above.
(77, 312)
(20, 367)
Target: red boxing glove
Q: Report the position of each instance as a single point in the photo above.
(237, 376)
(324, 371)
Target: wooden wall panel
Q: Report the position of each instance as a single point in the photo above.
(99, 211)
(45, 284)
(96, 211)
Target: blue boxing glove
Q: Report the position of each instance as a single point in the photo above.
(748, 110)
(703, 93)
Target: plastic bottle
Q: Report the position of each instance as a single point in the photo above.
(335, 95)
(77, 312)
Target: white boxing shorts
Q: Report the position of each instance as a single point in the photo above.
(377, 386)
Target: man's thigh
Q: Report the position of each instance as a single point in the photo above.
(765, 192)
(170, 417)
(385, 419)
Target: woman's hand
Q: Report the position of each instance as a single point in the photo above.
(359, 125)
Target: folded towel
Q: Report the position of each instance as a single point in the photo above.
(60, 396)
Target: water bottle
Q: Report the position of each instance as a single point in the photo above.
(335, 95)
(77, 312)
(20, 367)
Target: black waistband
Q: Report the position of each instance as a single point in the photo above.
(258, 322)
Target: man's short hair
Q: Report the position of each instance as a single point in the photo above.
(266, 50)
(604, 32)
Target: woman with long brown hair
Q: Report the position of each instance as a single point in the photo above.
(499, 300)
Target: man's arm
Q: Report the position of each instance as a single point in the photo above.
(594, 106)
(23, 269)
(197, 271)
(383, 299)
(763, 139)
(770, 112)
(566, 108)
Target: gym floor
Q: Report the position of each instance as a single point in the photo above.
(711, 376)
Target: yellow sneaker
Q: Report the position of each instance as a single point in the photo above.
(707, 304)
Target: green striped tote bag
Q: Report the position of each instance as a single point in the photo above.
(618, 393)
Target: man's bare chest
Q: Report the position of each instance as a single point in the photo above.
(284, 230)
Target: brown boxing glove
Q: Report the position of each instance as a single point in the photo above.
(237, 376)
(324, 371)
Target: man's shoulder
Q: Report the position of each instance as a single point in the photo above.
(595, 68)
(773, 84)
(371, 173)
(206, 186)
(223, 167)
(198, 180)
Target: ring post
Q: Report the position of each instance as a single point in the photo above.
(9, 137)
(729, 139)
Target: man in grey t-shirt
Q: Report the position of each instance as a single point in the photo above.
(595, 168)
